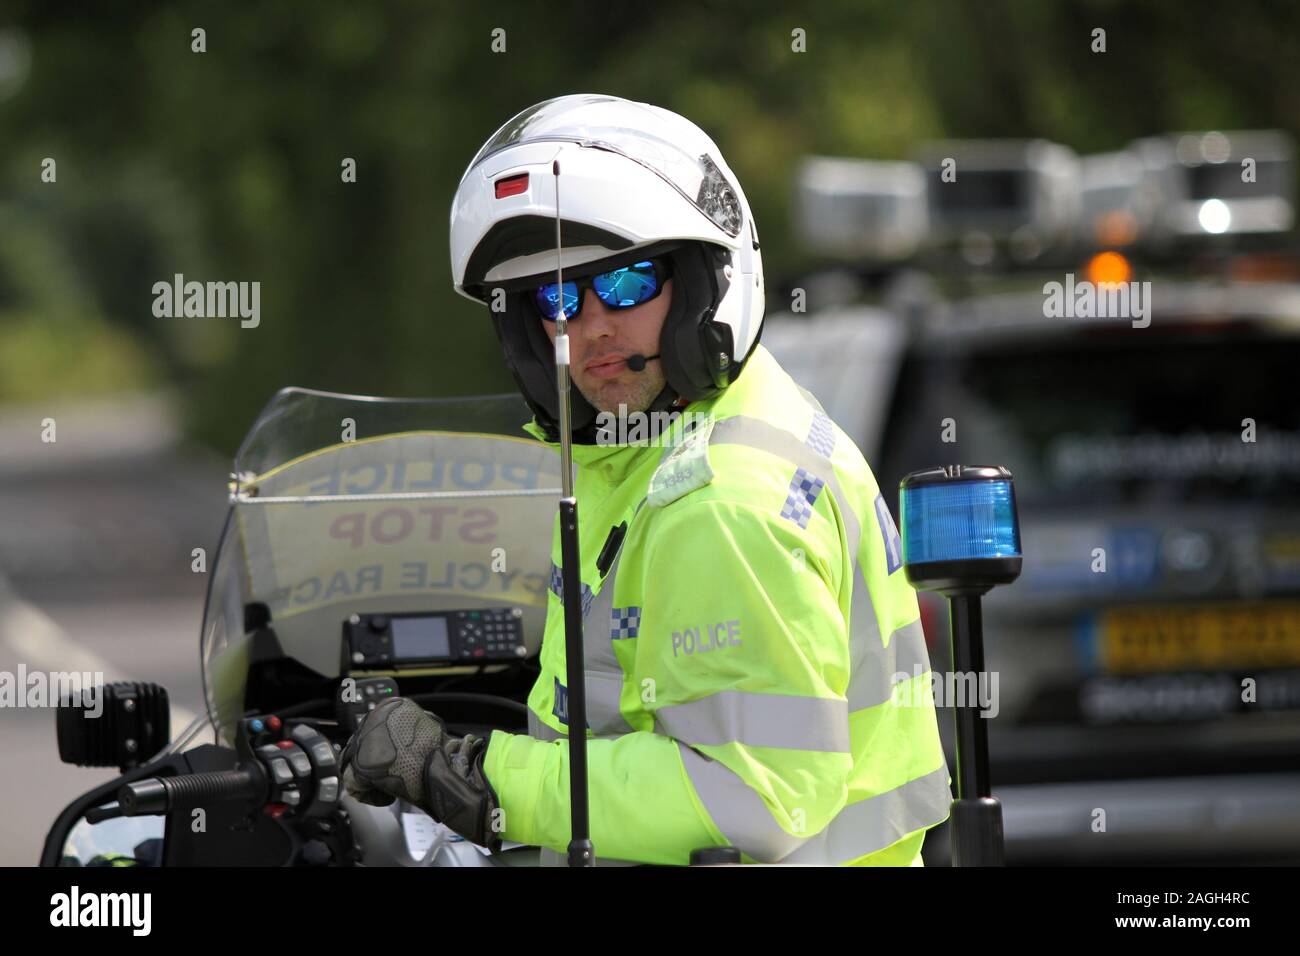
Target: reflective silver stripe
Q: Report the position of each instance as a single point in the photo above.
(875, 666)
(858, 829)
(597, 648)
(864, 643)
(603, 716)
(737, 810)
(876, 822)
(764, 436)
(603, 671)
(540, 729)
(758, 720)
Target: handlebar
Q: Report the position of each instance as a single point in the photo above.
(160, 794)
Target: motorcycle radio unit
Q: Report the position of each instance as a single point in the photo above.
(432, 639)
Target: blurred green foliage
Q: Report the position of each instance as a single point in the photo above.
(225, 165)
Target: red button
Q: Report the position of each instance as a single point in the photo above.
(276, 810)
(479, 652)
(284, 744)
(273, 722)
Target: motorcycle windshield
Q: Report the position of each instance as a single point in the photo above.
(346, 505)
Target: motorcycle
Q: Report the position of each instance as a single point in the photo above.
(382, 547)
(373, 547)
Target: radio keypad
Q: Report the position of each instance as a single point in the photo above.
(492, 634)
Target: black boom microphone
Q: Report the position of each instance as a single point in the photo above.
(637, 362)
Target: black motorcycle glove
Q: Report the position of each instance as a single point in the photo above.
(402, 750)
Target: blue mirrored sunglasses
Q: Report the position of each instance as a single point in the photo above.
(624, 288)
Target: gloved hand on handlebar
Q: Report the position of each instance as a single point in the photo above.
(402, 750)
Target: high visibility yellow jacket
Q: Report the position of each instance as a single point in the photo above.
(756, 672)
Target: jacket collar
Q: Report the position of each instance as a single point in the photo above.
(615, 462)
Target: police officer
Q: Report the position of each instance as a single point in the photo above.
(749, 635)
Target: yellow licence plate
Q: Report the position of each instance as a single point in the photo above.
(1232, 637)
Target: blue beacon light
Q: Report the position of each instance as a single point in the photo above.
(960, 530)
(961, 537)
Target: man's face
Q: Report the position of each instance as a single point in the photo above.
(600, 341)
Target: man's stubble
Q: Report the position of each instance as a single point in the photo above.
(637, 397)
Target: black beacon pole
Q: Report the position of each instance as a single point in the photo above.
(581, 852)
(961, 537)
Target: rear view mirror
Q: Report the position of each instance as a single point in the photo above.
(118, 841)
(122, 726)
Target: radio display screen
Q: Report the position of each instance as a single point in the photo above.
(420, 638)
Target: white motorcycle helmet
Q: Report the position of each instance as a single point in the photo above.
(634, 179)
